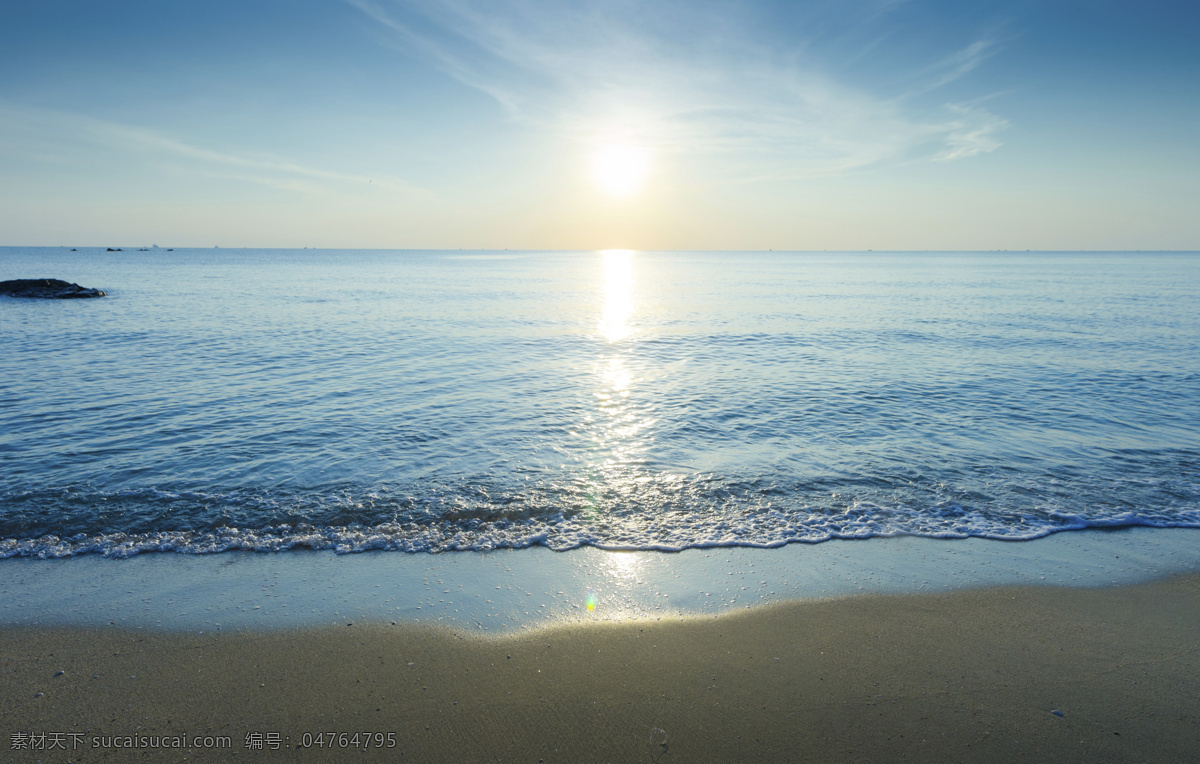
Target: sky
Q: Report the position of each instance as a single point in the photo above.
(706, 124)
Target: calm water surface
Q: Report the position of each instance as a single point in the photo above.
(425, 401)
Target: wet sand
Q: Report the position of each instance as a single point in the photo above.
(972, 675)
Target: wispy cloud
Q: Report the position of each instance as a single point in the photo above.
(974, 132)
(689, 78)
(58, 137)
(954, 65)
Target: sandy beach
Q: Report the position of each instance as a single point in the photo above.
(998, 674)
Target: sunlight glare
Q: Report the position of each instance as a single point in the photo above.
(620, 168)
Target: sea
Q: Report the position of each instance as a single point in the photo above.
(428, 401)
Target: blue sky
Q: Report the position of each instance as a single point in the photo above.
(882, 124)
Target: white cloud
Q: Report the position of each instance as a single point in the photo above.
(973, 132)
(955, 65)
(686, 78)
(64, 138)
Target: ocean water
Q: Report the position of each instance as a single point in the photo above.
(429, 401)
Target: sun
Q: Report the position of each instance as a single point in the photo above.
(620, 168)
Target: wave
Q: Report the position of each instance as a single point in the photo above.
(764, 530)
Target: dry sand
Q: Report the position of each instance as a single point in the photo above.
(967, 676)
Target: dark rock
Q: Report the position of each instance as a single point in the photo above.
(47, 288)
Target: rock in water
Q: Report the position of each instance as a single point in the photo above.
(47, 288)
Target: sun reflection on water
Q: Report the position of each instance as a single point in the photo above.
(617, 427)
(618, 294)
(624, 565)
(618, 587)
(620, 430)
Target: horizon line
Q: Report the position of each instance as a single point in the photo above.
(532, 250)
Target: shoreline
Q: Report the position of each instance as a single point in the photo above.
(973, 674)
(508, 590)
